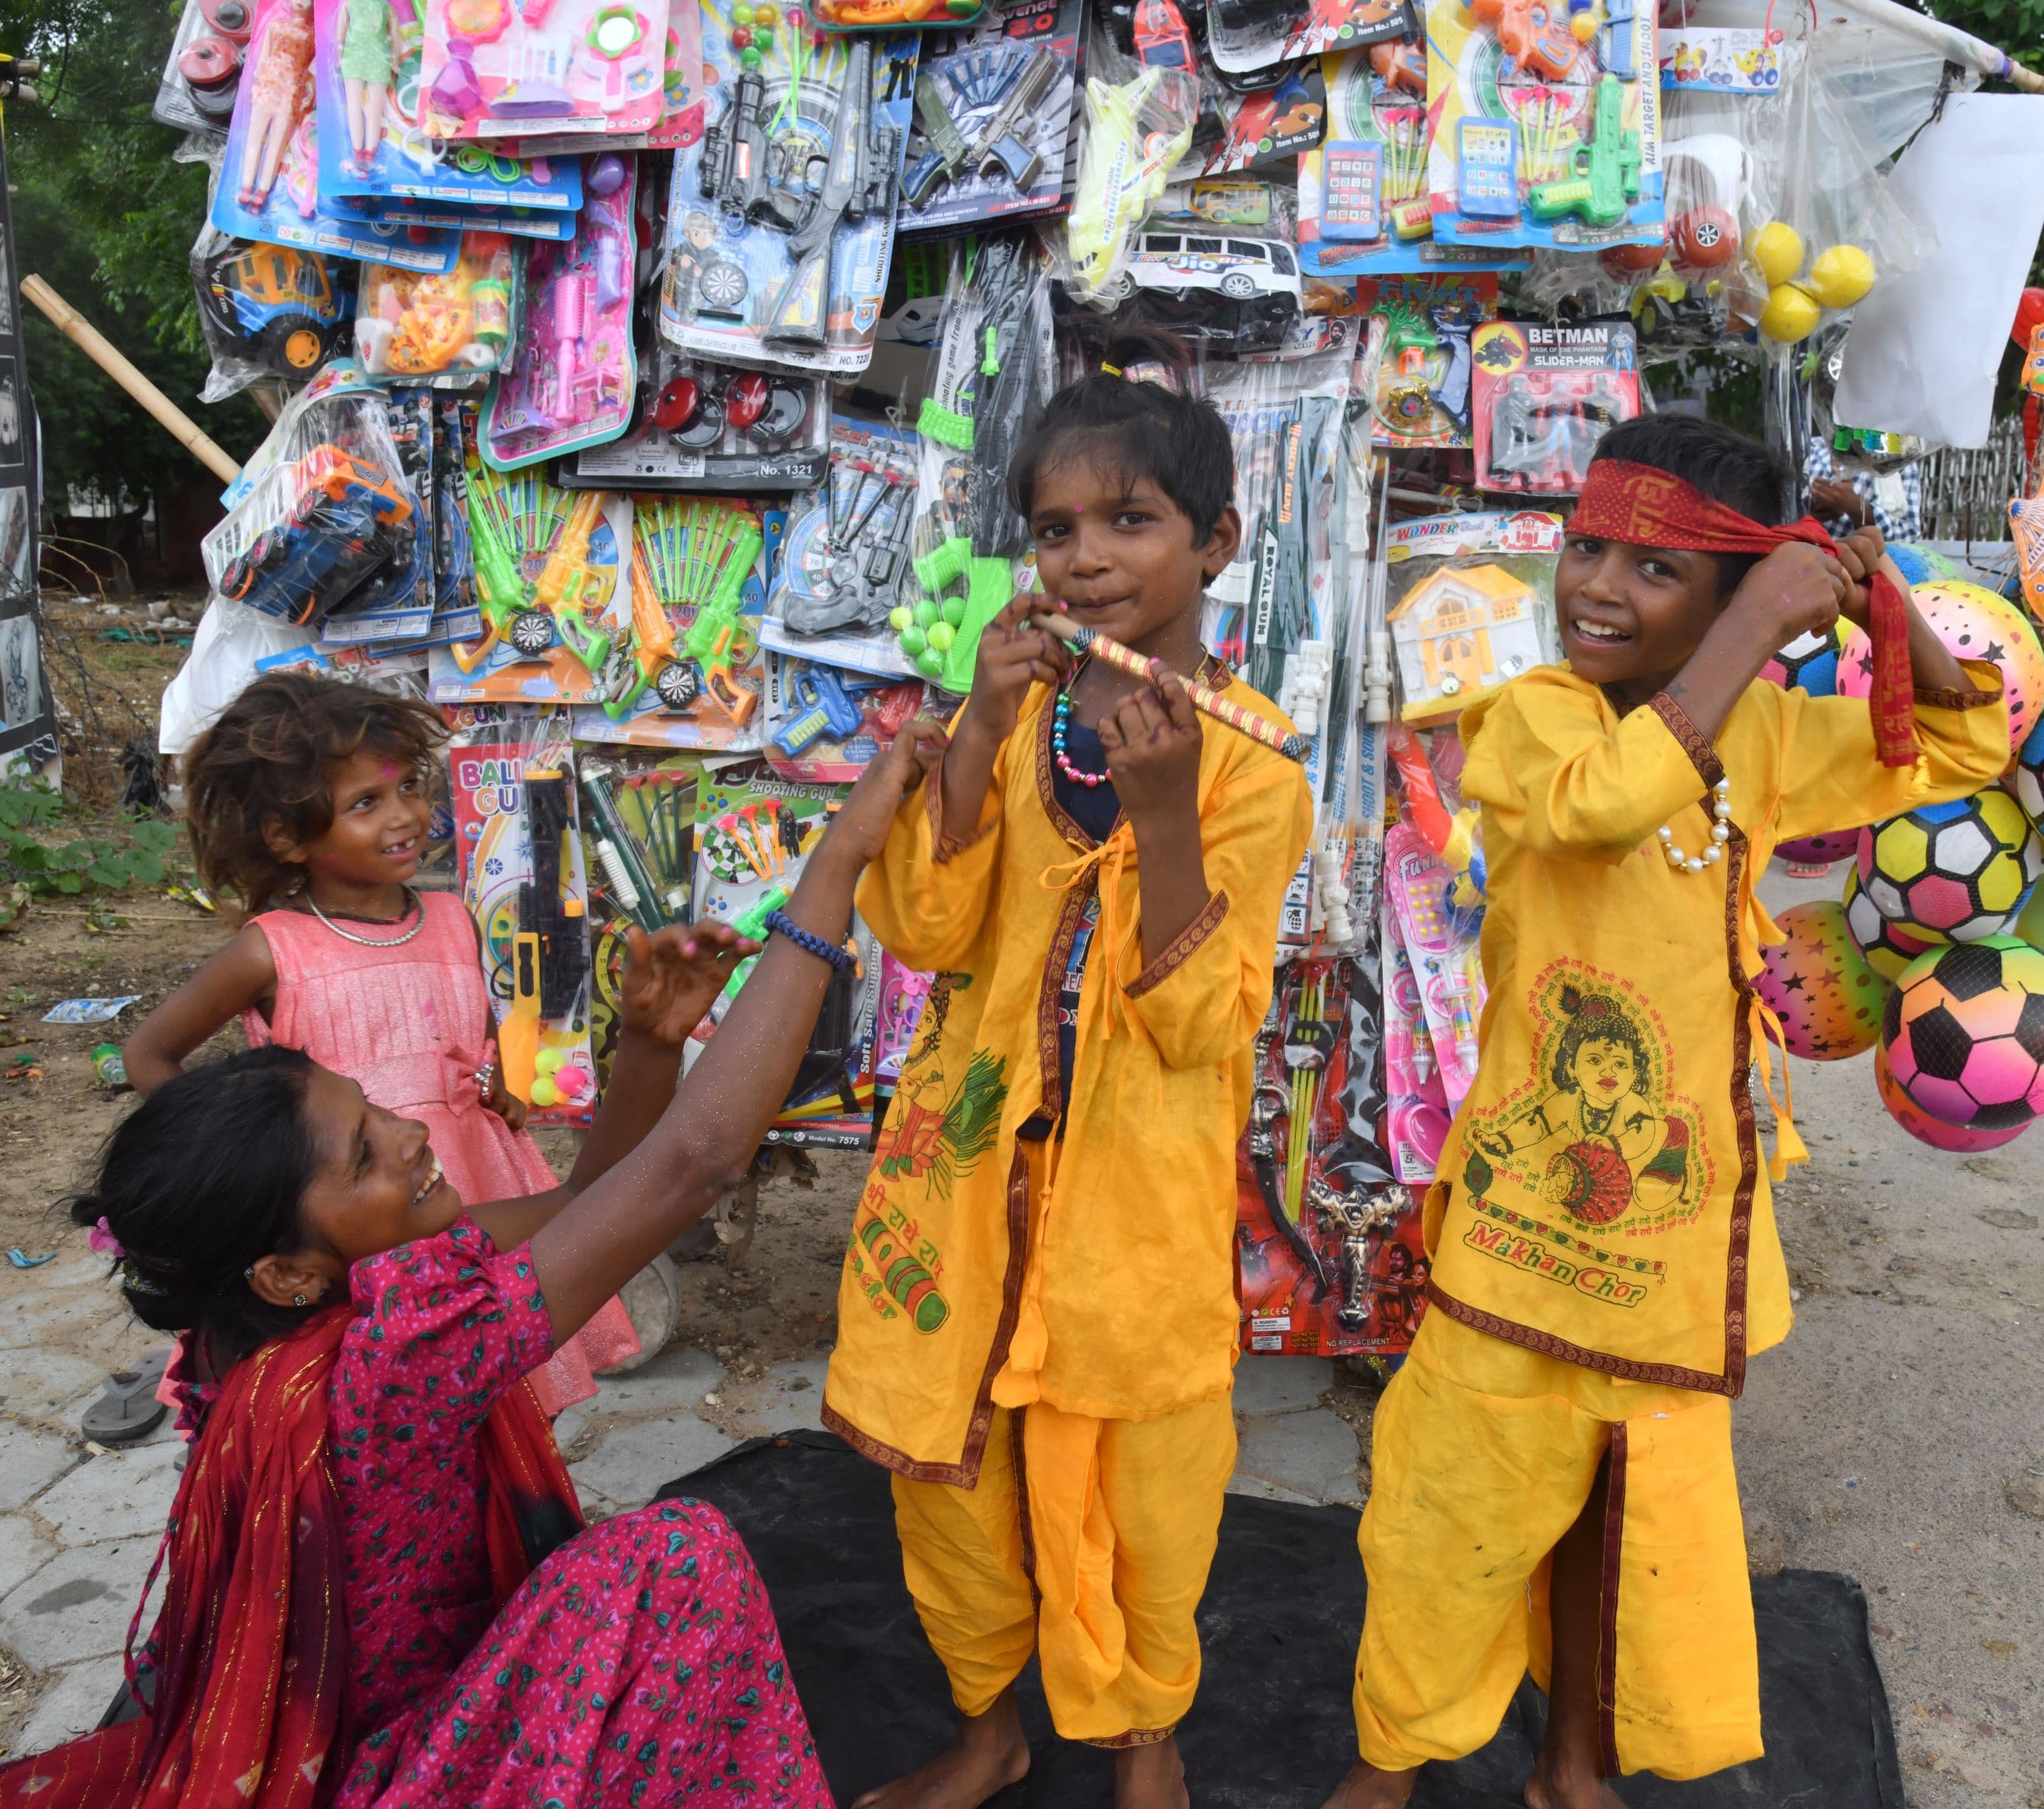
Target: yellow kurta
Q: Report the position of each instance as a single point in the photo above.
(1602, 1198)
(1112, 1296)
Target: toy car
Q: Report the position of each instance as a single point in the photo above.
(346, 521)
(275, 305)
(1243, 291)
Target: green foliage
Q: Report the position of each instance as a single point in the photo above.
(35, 864)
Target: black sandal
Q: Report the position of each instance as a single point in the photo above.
(128, 1409)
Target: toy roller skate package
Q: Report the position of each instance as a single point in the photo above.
(1723, 60)
(1439, 938)
(551, 587)
(781, 219)
(993, 119)
(381, 135)
(992, 373)
(824, 724)
(1470, 606)
(449, 331)
(1545, 397)
(393, 612)
(754, 830)
(1138, 126)
(322, 512)
(903, 994)
(847, 567)
(266, 311)
(268, 184)
(1318, 1216)
(709, 427)
(1415, 1114)
(689, 672)
(523, 878)
(202, 74)
(1541, 138)
(568, 380)
(1243, 36)
(581, 68)
(1425, 376)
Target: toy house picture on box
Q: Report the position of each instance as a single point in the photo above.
(1460, 631)
(1202, 286)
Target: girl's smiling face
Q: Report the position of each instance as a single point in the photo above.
(1604, 1070)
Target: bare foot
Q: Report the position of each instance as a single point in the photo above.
(987, 1754)
(1367, 1788)
(1556, 1785)
(1151, 1777)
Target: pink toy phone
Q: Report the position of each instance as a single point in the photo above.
(1445, 958)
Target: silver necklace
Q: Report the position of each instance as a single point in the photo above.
(412, 902)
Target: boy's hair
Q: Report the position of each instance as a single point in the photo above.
(1138, 430)
(263, 766)
(1720, 461)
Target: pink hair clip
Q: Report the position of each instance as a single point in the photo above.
(102, 1238)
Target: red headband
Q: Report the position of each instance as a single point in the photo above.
(1643, 506)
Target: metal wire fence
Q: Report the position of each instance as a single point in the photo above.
(1966, 493)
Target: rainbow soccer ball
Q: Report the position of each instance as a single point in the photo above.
(1840, 844)
(1827, 997)
(1925, 1128)
(2030, 773)
(1888, 951)
(1952, 873)
(1810, 662)
(1964, 1034)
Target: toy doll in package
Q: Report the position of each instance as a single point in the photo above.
(569, 380)
(1543, 137)
(502, 69)
(447, 331)
(1544, 396)
(781, 219)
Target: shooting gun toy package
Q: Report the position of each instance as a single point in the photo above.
(754, 830)
(1544, 396)
(1471, 606)
(993, 119)
(710, 427)
(569, 380)
(1541, 139)
(1243, 36)
(689, 672)
(323, 513)
(377, 135)
(781, 220)
(904, 992)
(450, 331)
(523, 881)
(584, 68)
(1424, 378)
(266, 311)
(825, 724)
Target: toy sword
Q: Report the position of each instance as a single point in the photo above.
(1204, 699)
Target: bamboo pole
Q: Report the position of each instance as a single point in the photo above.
(109, 357)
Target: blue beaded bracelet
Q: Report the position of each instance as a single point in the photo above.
(779, 922)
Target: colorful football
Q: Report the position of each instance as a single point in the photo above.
(1820, 985)
(1816, 849)
(1920, 565)
(2030, 772)
(1952, 873)
(1964, 1031)
(1925, 1128)
(1888, 951)
(1810, 662)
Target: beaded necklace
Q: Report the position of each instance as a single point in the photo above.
(1061, 717)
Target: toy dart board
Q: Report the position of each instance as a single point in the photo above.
(724, 856)
(1552, 116)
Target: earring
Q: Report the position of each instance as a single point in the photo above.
(248, 1274)
(298, 1300)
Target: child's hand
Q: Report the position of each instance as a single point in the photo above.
(1153, 751)
(864, 819)
(1862, 553)
(1794, 590)
(1013, 656)
(502, 1101)
(672, 977)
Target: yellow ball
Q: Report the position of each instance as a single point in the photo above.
(1583, 27)
(549, 1061)
(1791, 314)
(1840, 277)
(545, 1093)
(1777, 252)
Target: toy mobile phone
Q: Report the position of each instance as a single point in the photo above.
(1352, 192)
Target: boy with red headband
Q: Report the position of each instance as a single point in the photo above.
(1552, 1476)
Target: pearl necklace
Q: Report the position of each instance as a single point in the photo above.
(1720, 834)
(413, 902)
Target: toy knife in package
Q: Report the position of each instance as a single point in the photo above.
(781, 220)
(1444, 955)
(543, 69)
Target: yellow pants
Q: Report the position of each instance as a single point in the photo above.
(1483, 1456)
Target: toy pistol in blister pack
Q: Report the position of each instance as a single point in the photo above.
(1606, 181)
(1015, 84)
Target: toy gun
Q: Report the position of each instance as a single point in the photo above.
(752, 927)
(1530, 33)
(857, 180)
(826, 708)
(997, 143)
(734, 161)
(1607, 178)
(561, 589)
(500, 595)
(652, 640)
(719, 639)
(550, 951)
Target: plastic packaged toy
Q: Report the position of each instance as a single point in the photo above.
(568, 382)
(993, 119)
(322, 512)
(202, 74)
(390, 617)
(824, 723)
(494, 69)
(1244, 35)
(447, 330)
(1139, 126)
(1231, 289)
(780, 221)
(1425, 378)
(1268, 125)
(266, 311)
(1544, 396)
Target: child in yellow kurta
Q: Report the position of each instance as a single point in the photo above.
(1553, 1484)
(1037, 1318)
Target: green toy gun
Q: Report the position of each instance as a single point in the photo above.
(719, 639)
(988, 584)
(752, 927)
(1607, 178)
(501, 594)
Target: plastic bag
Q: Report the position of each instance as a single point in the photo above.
(266, 311)
(220, 666)
(447, 331)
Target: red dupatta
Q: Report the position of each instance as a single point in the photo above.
(251, 1661)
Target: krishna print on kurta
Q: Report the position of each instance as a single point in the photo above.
(1597, 1130)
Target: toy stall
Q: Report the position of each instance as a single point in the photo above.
(646, 373)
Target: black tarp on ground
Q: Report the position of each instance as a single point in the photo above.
(1271, 1727)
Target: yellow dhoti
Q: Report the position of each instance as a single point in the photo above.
(1483, 1455)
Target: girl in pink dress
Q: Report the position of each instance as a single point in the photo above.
(309, 795)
